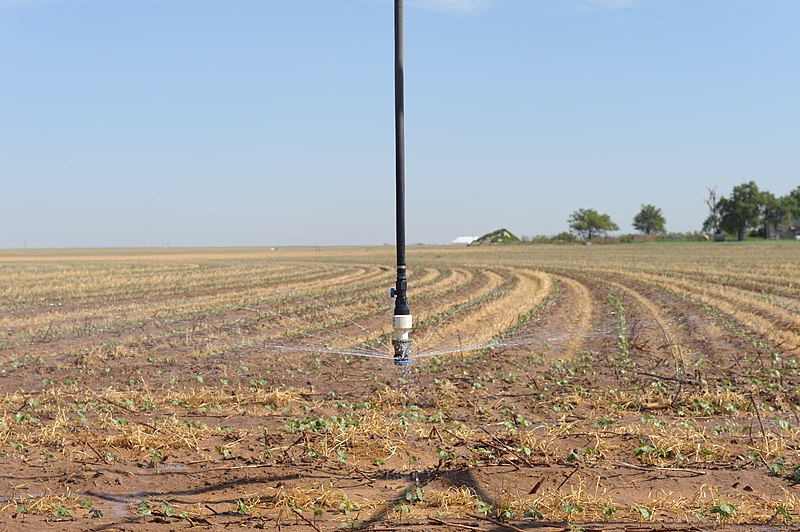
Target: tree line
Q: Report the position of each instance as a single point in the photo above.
(746, 208)
(749, 208)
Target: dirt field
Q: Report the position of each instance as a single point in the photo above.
(638, 387)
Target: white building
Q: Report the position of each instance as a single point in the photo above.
(465, 240)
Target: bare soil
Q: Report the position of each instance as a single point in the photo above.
(616, 404)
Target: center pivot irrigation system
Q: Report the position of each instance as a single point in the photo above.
(401, 321)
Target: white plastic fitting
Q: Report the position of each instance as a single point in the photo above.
(402, 326)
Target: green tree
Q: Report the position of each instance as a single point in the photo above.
(741, 210)
(774, 211)
(589, 223)
(792, 200)
(649, 220)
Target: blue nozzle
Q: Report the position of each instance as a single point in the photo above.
(402, 362)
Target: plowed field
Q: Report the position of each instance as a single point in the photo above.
(638, 387)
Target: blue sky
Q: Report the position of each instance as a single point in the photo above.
(270, 122)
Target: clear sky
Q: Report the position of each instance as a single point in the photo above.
(270, 122)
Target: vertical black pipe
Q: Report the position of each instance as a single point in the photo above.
(401, 299)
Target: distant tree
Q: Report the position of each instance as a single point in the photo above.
(589, 223)
(712, 222)
(792, 200)
(741, 210)
(774, 211)
(564, 236)
(649, 220)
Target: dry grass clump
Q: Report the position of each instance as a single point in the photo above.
(760, 509)
(317, 499)
(783, 445)
(56, 505)
(443, 395)
(452, 501)
(302, 498)
(718, 401)
(96, 356)
(455, 501)
(168, 433)
(722, 401)
(375, 437)
(23, 429)
(585, 504)
(367, 437)
(707, 505)
(161, 401)
(540, 445)
(226, 399)
(675, 442)
(71, 420)
(579, 503)
(388, 397)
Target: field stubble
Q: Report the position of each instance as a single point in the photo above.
(560, 387)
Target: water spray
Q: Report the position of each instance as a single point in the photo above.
(401, 321)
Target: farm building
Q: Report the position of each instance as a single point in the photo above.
(465, 240)
(790, 230)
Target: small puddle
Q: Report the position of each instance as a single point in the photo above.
(167, 468)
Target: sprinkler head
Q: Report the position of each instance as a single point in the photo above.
(402, 343)
(402, 352)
